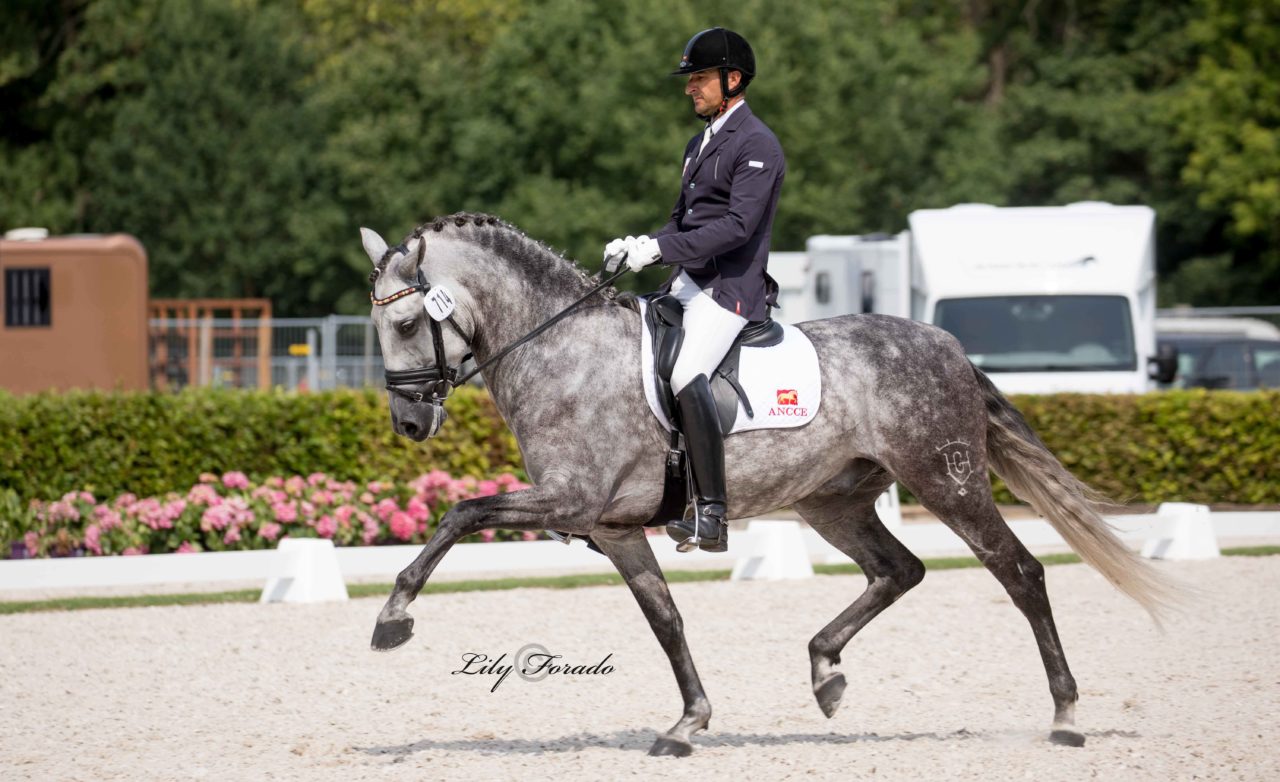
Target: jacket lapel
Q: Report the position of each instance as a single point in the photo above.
(735, 120)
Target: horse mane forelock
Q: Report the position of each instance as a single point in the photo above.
(545, 265)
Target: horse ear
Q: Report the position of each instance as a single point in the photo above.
(405, 264)
(374, 245)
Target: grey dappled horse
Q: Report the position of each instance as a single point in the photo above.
(900, 399)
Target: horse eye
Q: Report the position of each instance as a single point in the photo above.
(407, 327)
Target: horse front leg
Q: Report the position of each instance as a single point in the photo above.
(538, 508)
(630, 553)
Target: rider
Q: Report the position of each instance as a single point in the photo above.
(717, 240)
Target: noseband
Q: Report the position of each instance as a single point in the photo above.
(440, 383)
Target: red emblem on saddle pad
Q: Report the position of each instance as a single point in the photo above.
(788, 396)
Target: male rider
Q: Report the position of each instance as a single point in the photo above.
(717, 240)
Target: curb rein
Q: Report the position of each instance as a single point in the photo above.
(442, 382)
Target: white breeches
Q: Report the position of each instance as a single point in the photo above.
(709, 331)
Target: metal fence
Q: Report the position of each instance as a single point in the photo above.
(292, 353)
(343, 350)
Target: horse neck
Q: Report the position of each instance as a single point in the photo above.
(512, 296)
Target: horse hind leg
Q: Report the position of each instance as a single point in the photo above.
(849, 523)
(973, 516)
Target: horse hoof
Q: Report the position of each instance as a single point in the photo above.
(665, 745)
(829, 694)
(1066, 738)
(392, 635)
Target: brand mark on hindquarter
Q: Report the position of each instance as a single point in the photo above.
(955, 453)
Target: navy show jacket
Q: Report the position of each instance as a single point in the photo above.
(721, 224)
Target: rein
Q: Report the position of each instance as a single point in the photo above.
(444, 381)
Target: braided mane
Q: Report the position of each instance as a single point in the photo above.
(547, 268)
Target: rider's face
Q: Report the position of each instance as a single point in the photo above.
(704, 88)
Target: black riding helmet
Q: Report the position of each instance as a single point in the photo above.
(722, 49)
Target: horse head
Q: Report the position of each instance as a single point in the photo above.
(421, 357)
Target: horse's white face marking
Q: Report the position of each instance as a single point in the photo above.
(959, 466)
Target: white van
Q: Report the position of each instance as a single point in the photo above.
(1044, 299)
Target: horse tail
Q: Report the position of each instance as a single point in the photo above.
(1074, 509)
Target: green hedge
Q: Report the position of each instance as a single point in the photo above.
(1188, 446)
(1192, 446)
(150, 443)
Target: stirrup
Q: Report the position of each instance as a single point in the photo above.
(696, 540)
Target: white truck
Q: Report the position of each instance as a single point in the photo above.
(1044, 299)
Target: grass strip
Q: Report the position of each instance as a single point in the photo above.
(493, 585)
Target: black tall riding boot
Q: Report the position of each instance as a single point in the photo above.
(704, 443)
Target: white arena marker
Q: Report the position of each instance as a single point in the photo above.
(889, 507)
(775, 550)
(1185, 532)
(305, 570)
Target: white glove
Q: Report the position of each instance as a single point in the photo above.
(642, 251)
(616, 247)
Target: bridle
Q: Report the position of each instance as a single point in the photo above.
(437, 382)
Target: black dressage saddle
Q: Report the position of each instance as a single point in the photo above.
(665, 317)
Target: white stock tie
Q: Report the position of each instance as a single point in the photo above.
(706, 138)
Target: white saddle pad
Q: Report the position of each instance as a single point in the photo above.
(782, 382)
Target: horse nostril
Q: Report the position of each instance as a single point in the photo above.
(410, 428)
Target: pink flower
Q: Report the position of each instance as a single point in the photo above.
(402, 526)
(487, 488)
(295, 485)
(91, 534)
(322, 497)
(235, 480)
(134, 551)
(106, 518)
(317, 478)
(377, 487)
(270, 531)
(232, 536)
(125, 501)
(32, 541)
(371, 530)
(208, 477)
(63, 511)
(529, 535)
(285, 512)
(326, 526)
(186, 548)
(218, 517)
(418, 509)
(87, 497)
(486, 535)
(460, 489)
(203, 494)
(344, 513)
(366, 498)
(385, 508)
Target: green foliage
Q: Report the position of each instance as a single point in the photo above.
(1190, 446)
(1184, 446)
(243, 141)
(149, 444)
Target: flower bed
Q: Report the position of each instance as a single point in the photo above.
(231, 513)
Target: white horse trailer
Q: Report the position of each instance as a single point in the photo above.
(1044, 299)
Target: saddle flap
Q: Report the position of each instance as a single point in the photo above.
(775, 385)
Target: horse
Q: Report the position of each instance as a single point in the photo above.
(897, 395)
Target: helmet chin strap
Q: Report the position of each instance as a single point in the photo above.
(725, 95)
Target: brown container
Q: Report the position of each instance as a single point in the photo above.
(75, 313)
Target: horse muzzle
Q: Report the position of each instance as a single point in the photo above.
(417, 420)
